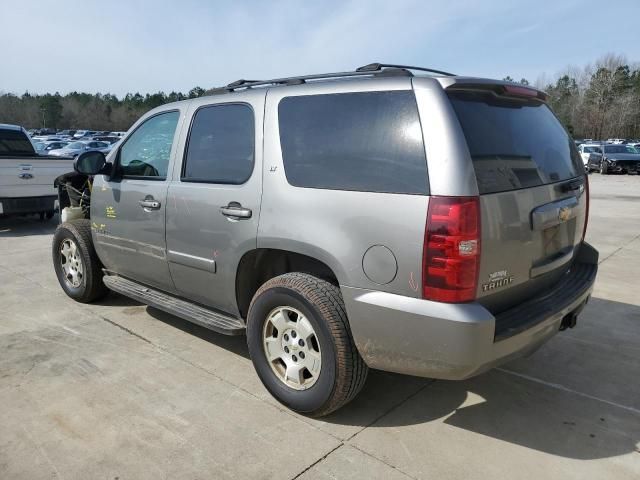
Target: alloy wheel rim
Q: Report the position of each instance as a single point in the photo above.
(292, 348)
(71, 263)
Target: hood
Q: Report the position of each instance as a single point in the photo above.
(623, 156)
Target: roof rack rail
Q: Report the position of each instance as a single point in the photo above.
(371, 69)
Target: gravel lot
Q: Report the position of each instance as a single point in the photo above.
(116, 390)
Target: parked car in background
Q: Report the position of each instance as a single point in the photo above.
(106, 138)
(45, 131)
(51, 146)
(44, 148)
(80, 134)
(38, 146)
(587, 150)
(74, 149)
(118, 134)
(26, 178)
(616, 158)
(47, 138)
(67, 133)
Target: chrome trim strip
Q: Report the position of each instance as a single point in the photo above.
(193, 261)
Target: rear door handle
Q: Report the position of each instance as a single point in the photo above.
(149, 204)
(573, 185)
(235, 210)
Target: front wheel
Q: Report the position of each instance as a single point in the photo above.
(603, 168)
(76, 263)
(301, 345)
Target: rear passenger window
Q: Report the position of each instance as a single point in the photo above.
(368, 141)
(221, 145)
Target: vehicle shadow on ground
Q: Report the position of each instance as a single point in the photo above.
(508, 407)
(496, 404)
(236, 344)
(25, 226)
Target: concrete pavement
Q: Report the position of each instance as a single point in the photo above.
(120, 390)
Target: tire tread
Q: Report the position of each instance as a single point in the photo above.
(326, 297)
(80, 228)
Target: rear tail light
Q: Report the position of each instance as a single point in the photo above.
(451, 255)
(520, 91)
(586, 213)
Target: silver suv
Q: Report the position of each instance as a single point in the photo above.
(429, 224)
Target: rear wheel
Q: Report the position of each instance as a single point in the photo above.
(76, 263)
(301, 345)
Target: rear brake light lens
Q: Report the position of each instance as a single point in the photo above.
(451, 255)
(520, 91)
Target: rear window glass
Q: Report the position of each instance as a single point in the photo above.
(15, 142)
(592, 150)
(514, 143)
(619, 149)
(367, 141)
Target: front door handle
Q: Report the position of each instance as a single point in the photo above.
(235, 210)
(149, 204)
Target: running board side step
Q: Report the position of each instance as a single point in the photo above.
(202, 316)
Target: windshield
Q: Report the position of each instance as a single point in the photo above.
(75, 146)
(514, 143)
(592, 150)
(619, 149)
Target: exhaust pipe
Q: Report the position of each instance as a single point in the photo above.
(569, 321)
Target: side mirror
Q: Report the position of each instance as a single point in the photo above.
(90, 163)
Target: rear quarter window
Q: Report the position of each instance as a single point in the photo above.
(15, 142)
(514, 143)
(365, 141)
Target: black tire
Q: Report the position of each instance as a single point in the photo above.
(603, 168)
(343, 372)
(91, 287)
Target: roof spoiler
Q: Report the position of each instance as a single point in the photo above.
(499, 87)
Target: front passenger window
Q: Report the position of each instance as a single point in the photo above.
(146, 152)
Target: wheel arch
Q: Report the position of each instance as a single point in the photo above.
(262, 264)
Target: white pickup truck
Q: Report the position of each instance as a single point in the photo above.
(26, 178)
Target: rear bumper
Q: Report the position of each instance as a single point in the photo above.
(27, 204)
(456, 341)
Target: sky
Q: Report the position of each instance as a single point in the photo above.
(121, 46)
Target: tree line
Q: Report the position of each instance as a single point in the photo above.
(83, 110)
(599, 101)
